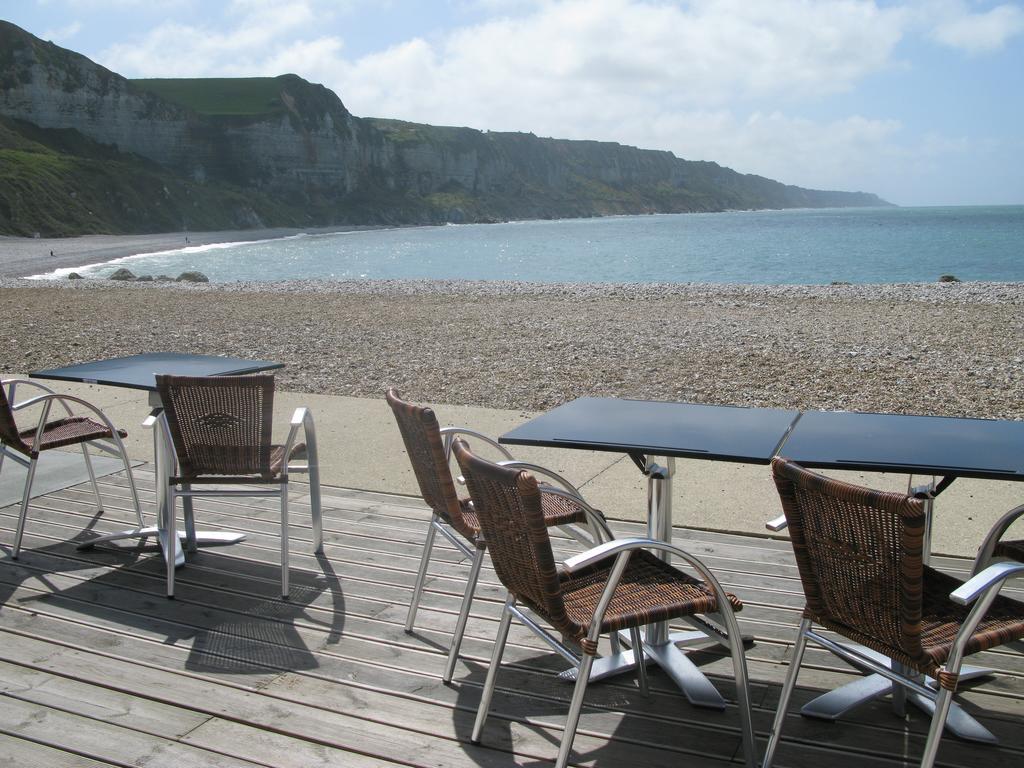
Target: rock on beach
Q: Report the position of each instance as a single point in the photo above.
(941, 348)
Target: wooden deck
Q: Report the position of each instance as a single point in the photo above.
(97, 667)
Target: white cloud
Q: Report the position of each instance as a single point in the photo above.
(721, 80)
(569, 57)
(979, 32)
(173, 49)
(62, 35)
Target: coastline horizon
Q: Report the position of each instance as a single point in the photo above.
(765, 247)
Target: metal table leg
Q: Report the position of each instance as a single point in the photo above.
(660, 647)
(164, 463)
(838, 702)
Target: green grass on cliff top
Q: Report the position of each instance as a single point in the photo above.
(219, 95)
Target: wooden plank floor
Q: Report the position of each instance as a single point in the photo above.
(98, 668)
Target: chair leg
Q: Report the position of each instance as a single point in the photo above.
(188, 510)
(641, 663)
(739, 671)
(131, 479)
(92, 476)
(171, 529)
(417, 590)
(460, 625)
(942, 704)
(492, 670)
(575, 706)
(315, 503)
(787, 690)
(25, 496)
(284, 541)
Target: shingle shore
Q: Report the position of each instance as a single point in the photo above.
(936, 348)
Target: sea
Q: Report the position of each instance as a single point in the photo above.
(801, 247)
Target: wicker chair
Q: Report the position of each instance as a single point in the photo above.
(220, 428)
(859, 554)
(617, 585)
(23, 446)
(429, 450)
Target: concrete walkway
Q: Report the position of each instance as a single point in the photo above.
(360, 448)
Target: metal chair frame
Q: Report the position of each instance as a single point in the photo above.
(621, 549)
(981, 590)
(474, 551)
(46, 402)
(302, 418)
(989, 549)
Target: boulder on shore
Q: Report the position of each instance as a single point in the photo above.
(192, 277)
(122, 274)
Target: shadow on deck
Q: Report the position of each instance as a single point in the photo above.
(97, 667)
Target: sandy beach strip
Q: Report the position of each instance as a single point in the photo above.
(940, 348)
(25, 256)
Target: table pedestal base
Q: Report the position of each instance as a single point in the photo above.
(203, 538)
(698, 690)
(836, 703)
(660, 647)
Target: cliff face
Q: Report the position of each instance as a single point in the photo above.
(287, 139)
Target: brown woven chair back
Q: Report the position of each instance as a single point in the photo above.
(220, 425)
(859, 553)
(9, 432)
(508, 503)
(421, 434)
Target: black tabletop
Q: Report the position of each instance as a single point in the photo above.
(713, 432)
(883, 442)
(139, 371)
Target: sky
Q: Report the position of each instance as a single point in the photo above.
(919, 101)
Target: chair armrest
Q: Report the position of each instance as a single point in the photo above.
(537, 469)
(12, 384)
(302, 418)
(604, 551)
(448, 434)
(299, 417)
(617, 546)
(992, 538)
(622, 549)
(991, 578)
(150, 421)
(982, 591)
(595, 520)
(298, 420)
(47, 400)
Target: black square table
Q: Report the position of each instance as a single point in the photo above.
(648, 427)
(926, 445)
(139, 372)
(989, 449)
(645, 429)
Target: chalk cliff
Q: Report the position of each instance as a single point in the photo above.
(298, 155)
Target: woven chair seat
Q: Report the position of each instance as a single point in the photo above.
(557, 510)
(940, 621)
(1012, 549)
(277, 460)
(650, 591)
(70, 431)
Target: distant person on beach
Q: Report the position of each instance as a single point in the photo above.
(51, 254)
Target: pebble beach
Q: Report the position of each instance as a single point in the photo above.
(938, 348)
